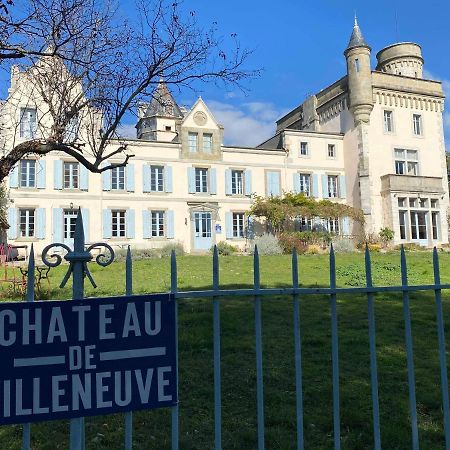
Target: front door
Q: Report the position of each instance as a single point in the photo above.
(202, 230)
(419, 228)
(70, 219)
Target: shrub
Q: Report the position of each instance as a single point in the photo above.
(374, 247)
(343, 245)
(411, 247)
(267, 245)
(166, 251)
(224, 248)
(136, 254)
(313, 249)
(289, 241)
(386, 235)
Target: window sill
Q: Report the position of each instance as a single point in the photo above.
(28, 239)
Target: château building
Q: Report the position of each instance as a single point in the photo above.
(373, 139)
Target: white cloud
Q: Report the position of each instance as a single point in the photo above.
(248, 124)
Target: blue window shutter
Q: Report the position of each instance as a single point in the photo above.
(315, 185)
(14, 176)
(250, 228)
(130, 177)
(296, 182)
(191, 180)
(84, 178)
(58, 226)
(146, 225)
(129, 219)
(248, 182)
(106, 179)
(273, 182)
(40, 174)
(324, 186)
(342, 187)
(168, 179)
(346, 226)
(146, 178)
(269, 183)
(229, 225)
(170, 225)
(40, 223)
(12, 222)
(213, 182)
(227, 182)
(57, 174)
(107, 224)
(86, 223)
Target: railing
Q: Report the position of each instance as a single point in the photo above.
(79, 258)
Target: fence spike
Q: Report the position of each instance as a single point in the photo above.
(368, 265)
(173, 290)
(403, 266)
(442, 352)
(294, 268)
(256, 276)
(215, 268)
(128, 291)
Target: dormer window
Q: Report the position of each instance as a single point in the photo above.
(193, 142)
(207, 142)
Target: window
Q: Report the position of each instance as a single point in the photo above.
(423, 202)
(413, 202)
(168, 128)
(192, 139)
(401, 202)
(332, 186)
(238, 225)
(418, 225)
(305, 183)
(27, 173)
(331, 151)
(388, 121)
(156, 178)
(26, 222)
(201, 180)
(237, 182)
(333, 225)
(28, 123)
(357, 65)
(434, 224)
(118, 179)
(207, 142)
(304, 224)
(118, 223)
(406, 162)
(71, 175)
(157, 223)
(434, 203)
(71, 132)
(304, 151)
(417, 124)
(402, 222)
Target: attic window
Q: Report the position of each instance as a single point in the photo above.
(357, 67)
(168, 128)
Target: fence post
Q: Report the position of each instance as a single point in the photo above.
(409, 353)
(78, 259)
(217, 374)
(259, 360)
(298, 354)
(373, 355)
(26, 433)
(173, 290)
(128, 291)
(335, 354)
(441, 341)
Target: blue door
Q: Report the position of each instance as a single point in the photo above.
(202, 230)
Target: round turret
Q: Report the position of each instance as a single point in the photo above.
(404, 58)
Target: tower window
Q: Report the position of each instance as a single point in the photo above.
(357, 66)
(168, 128)
(417, 124)
(388, 121)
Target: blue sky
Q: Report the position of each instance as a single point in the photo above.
(300, 44)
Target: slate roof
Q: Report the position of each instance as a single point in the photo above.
(163, 103)
(357, 38)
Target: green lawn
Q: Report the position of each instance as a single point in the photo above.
(152, 429)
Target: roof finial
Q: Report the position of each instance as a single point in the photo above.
(356, 20)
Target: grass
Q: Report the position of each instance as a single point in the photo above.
(152, 428)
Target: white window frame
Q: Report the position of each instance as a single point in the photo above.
(28, 129)
(388, 121)
(237, 182)
(118, 223)
(71, 175)
(405, 164)
(157, 223)
(27, 218)
(333, 225)
(207, 142)
(238, 219)
(27, 167)
(201, 180)
(118, 179)
(304, 149)
(417, 124)
(193, 142)
(304, 181)
(156, 178)
(333, 186)
(332, 153)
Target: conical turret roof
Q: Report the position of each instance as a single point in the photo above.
(357, 38)
(163, 103)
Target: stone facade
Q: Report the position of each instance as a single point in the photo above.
(373, 139)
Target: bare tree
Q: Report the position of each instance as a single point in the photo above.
(83, 66)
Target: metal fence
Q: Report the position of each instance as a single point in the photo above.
(78, 269)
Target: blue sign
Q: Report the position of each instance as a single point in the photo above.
(218, 228)
(66, 359)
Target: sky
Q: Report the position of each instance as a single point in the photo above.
(299, 45)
